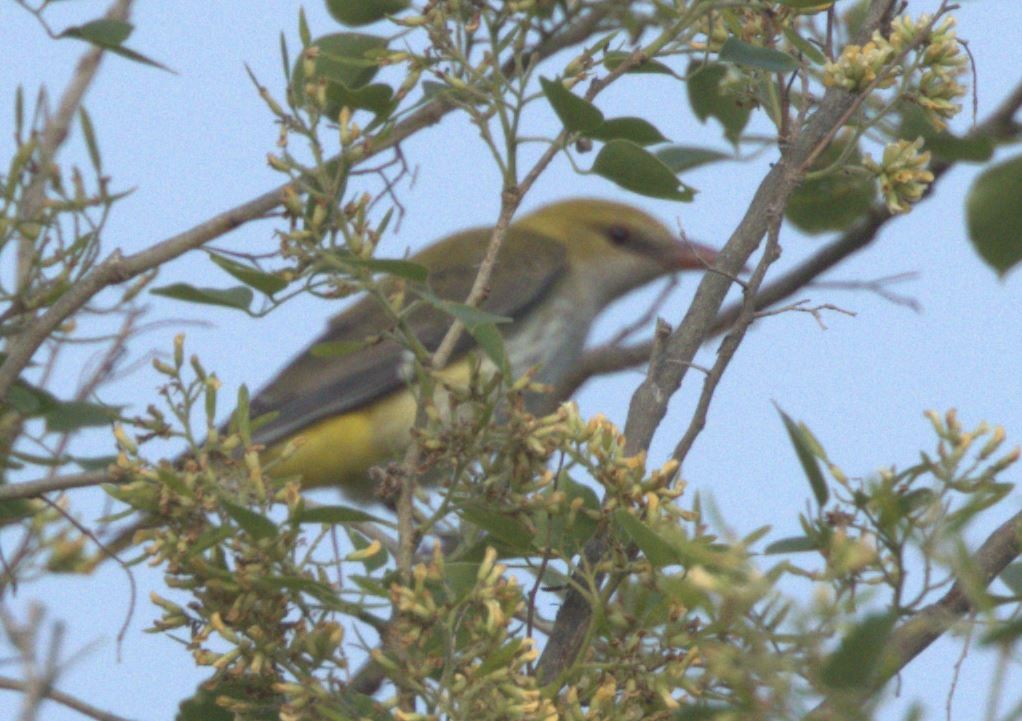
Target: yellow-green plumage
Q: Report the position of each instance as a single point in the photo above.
(557, 269)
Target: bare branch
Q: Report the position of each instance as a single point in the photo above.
(800, 306)
(877, 286)
(1001, 125)
(66, 699)
(118, 269)
(923, 628)
(649, 402)
(53, 136)
(729, 346)
(33, 489)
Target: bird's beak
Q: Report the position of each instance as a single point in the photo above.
(688, 255)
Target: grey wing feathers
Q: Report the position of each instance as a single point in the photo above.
(313, 388)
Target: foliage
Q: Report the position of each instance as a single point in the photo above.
(502, 512)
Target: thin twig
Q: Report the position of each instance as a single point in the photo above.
(33, 489)
(729, 346)
(53, 136)
(117, 268)
(649, 402)
(68, 700)
(800, 306)
(878, 286)
(1000, 125)
(921, 629)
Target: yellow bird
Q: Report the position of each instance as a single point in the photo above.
(557, 269)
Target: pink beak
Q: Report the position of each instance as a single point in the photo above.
(689, 255)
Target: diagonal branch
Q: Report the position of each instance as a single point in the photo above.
(1000, 126)
(649, 402)
(64, 699)
(118, 269)
(53, 136)
(921, 629)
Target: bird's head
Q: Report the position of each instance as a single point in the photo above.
(614, 247)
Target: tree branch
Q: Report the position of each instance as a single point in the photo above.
(1000, 126)
(66, 699)
(53, 136)
(118, 269)
(920, 630)
(32, 489)
(649, 402)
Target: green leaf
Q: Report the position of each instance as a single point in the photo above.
(472, 318)
(15, 508)
(375, 98)
(238, 297)
(174, 482)
(303, 28)
(320, 591)
(254, 524)
(855, 662)
(836, 200)
(499, 659)
(804, 450)
(355, 13)
(336, 348)
(557, 532)
(212, 536)
(351, 704)
(336, 516)
(769, 59)
(346, 62)
(994, 215)
(502, 527)
(431, 89)
(710, 100)
(202, 706)
(685, 157)
(94, 463)
(810, 51)
(401, 268)
(28, 400)
(492, 342)
(460, 577)
(973, 148)
(707, 712)
(105, 33)
(137, 57)
(1012, 577)
(69, 416)
(346, 58)
(253, 277)
(633, 168)
(953, 148)
(577, 115)
(1006, 632)
(89, 133)
(639, 131)
(656, 550)
(614, 58)
(792, 544)
(808, 6)
(109, 34)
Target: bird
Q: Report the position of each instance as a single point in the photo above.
(557, 268)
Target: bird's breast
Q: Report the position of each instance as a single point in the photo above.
(550, 338)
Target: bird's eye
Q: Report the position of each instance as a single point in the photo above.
(618, 234)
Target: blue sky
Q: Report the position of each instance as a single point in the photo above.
(194, 143)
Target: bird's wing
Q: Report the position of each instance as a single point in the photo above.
(313, 388)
